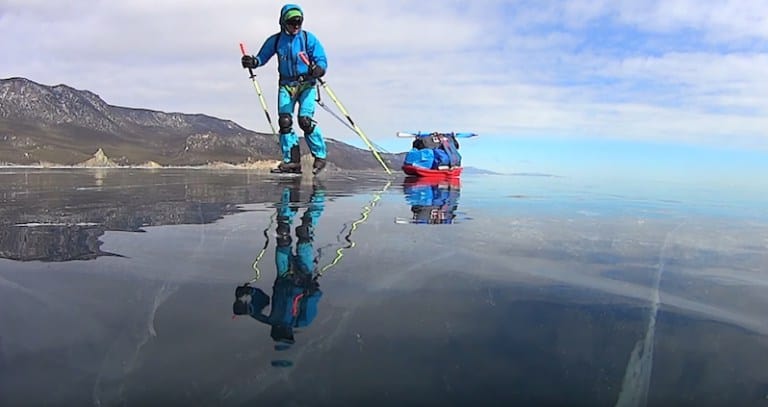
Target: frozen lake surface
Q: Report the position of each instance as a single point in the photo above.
(119, 287)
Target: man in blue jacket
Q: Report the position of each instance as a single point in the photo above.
(300, 61)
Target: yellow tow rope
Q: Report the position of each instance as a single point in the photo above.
(355, 127)
(305, 58)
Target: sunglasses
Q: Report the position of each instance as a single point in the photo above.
(294, 22)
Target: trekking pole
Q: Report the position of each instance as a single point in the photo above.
(355, 127)
(261, 96)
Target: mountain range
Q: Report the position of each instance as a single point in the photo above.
(60, 125)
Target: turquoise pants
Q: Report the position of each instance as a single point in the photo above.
(304, 259)
(304, 95)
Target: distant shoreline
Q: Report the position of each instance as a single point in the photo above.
(257, 167)
(261, 166)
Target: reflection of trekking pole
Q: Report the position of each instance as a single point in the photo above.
(255, 264)
(348, 237)
(261, 96)
(357, 129)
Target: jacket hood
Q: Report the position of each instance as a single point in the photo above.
(286, 8)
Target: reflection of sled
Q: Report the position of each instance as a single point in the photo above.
(434, 155)
(411, 182)
(432, 200)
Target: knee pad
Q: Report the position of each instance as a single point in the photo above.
(285, 121)
(304, 232)
(307, 124)
(283, 228)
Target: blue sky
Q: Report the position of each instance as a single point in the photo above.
(548, 84)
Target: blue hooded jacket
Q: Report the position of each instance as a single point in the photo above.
(289, 65)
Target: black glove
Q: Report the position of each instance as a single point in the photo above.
(316, 71)
(242, 290)
(248, 61)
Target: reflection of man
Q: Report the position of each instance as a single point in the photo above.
(295, 292)
(432, 201)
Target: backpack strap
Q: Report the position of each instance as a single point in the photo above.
(306, 40)
(277, 40)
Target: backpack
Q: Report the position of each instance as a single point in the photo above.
(434, 150)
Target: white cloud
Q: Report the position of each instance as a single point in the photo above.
(721, 20)
(496, 67)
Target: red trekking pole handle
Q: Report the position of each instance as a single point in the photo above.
(242, 49)
(303, 56)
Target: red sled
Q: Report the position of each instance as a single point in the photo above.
(434, 155)
(453, 172)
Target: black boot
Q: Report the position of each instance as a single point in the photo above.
(318, 165)
(287, 168)
(296, 155)
(292, 167)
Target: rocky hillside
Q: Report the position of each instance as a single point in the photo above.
(62, 125)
